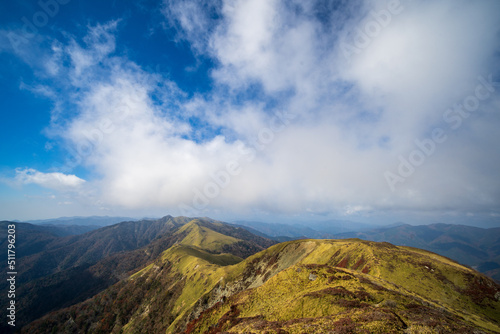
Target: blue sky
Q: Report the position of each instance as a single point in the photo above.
(375, 111)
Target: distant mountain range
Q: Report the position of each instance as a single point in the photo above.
(99, 221)
(317, 230)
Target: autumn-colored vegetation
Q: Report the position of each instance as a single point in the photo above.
(303, 286)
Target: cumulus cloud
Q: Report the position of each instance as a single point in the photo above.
(360, 114)
(293, 124)
(139, 152)
(126, 127)
(55, 181)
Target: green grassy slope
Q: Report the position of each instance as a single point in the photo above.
(304, 286)
(149, 301)
(51, 282)
(353, 286)
(204, 237)
(166, 288)
(472, 246)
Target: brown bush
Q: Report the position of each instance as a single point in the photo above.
(345, 326)
(352, 303)
(360, 263)
(343, 263)
(363, 295)
(336, 291)
(332, 278)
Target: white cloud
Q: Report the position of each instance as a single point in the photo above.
(358, 116)
(56, 181)
(192, 20)
(138, 152)
(100, 43)
(426, 59)
(352, 118)
(263, 41)
(139, 149)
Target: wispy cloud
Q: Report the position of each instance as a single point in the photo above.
(193, 20)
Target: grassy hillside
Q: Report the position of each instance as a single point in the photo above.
(149, 301)
(204, 237)
(353, 286)
(66, 271)
(472, 246)
(306, 286)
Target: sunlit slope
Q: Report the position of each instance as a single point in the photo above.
(153, 298)
(353, 286)
(204, 237)
(305, 286)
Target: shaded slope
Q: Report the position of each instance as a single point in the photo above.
(30, 239)
(149, 300)
(87, 249)
(78, 283)
(76, 279)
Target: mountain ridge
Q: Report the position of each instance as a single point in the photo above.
(352, 285)
(77, 267)
(473, 246)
